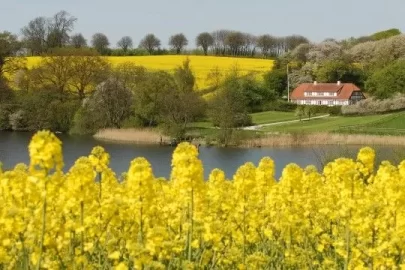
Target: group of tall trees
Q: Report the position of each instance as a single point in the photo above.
(42, 35)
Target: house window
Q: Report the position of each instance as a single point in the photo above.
(307, 102)
(330, 102)
(319, 102)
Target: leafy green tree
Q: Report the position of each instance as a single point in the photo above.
(386, 82)
(182, 105)
(386, 34)
(276, 81)
(229, 107)
(333, 71)
(256, 93)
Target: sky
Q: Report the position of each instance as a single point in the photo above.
(314, 19)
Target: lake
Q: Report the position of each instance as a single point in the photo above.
(14, 149)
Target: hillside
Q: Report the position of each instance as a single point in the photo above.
(201, 65)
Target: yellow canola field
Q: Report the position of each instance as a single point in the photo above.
(201, 65)
(349, 215)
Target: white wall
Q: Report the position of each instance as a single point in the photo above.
(322, 102)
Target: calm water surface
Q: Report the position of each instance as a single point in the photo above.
(14, 149)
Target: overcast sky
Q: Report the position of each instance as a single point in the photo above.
(315, 19)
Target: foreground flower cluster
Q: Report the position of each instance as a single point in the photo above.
(346, 217)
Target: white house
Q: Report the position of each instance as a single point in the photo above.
(330, 94)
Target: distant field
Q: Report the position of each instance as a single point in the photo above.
(201, 65)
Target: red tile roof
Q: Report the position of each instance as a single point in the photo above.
(344, 90)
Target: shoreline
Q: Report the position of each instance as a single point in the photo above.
(154, 137)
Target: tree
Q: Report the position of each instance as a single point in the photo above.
(9, 46)
(87, 71)
(228, 108)
(293, 41)
(107, 107)
(42, 34)
(204, 40)
(235, 41)
(52, 73)
(276, 81)
(100, 42)
(327, 50)
(255, 92)
(386, 82)
(125, 43)
(338, 70)
(78, 41)
(151, 94)
(178, 42)
(266, 43)
(35, 35)
(300, 52)
(74, 70)
(182, 105)
(184, 77)
(299, 112)
(59, 28)
(386, 34)
(150, 43)
(219, 41)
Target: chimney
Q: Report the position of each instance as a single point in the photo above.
(338, 82)
(315, 82)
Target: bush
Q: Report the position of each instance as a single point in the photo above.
(375, 106)
(280, 105)
(5, 112)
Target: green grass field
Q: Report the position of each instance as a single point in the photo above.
(272, 117)
(328, 124)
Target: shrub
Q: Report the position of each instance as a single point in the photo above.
(5, 112)
(374, 106)
(280, 105)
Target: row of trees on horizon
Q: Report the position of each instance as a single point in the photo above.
(42, 35)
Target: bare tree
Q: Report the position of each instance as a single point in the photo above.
(266, 43)
(220, 37)
(125, 43)
(59, 28)
(100, 42)
(293, 41)
(35, 35)
(78, 41)
(235, 41)
(204, 40)
(178, 42)
(86, 71)
(150, 43)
